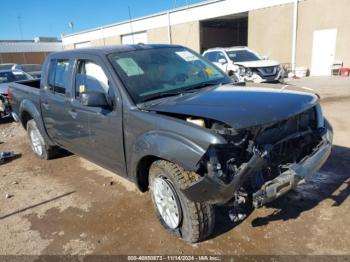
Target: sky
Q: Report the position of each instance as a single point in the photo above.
(27, 19)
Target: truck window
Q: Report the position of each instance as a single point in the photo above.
(58, 76)
(51, 77)
(90, 77)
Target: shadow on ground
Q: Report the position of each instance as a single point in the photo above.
(331, 182)
(36, 205)
(6, 120)
(10, 159)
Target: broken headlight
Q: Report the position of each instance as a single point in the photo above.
(242, 70)
(319, 116)
(197, 121)
(249, 72)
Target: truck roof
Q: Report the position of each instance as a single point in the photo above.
(103, 50)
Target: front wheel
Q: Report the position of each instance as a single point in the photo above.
(188, 220)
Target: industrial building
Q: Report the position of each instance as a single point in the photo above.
(303, 33)
(28, 51)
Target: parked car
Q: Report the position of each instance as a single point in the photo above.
(173, 123)
(7, 66)
(6, 77)
(32, 69)
(245, 65)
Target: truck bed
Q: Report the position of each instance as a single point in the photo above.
(35, 83)
(25, 90)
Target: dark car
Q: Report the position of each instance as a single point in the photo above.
(32, 69)
(7, 76)
(173, 123)
(7, 66)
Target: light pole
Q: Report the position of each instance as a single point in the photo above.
(71, 25)
(295, 32)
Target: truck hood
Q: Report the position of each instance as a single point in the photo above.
(3, 88)
(239, 107)
(258, 63)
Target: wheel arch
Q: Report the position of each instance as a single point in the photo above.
(162, 145)
(142, 171)
(25, 116)
(28, 111)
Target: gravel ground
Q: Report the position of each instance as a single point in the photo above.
(70, 206)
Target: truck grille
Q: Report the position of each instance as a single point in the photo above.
(302, 122)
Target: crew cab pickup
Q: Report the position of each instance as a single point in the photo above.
(167, 119)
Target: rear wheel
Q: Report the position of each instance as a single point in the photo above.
(188, 220)
(37, 142)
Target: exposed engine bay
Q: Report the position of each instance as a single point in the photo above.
(284, 142)
(257, 164)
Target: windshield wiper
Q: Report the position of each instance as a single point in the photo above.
(162, 95)
(203, 85)
(189, 90)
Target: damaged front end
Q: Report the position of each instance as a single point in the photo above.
(5, 108)
(261, 163)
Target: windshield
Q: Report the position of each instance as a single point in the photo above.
(8, 77)
(242, 56)
(152, 73)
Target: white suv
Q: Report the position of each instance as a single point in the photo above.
(245, 65)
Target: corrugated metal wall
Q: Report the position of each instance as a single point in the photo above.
(23, 58)
(27, 52)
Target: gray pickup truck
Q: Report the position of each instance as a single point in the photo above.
(167, 119)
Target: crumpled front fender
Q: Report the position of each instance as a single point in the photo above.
(166, 145)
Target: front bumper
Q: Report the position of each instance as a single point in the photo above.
(211, 189)
(258, 78)
(295, 173)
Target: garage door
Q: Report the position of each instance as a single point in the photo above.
(134, 38)
(82, 45)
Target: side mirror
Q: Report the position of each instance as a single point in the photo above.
(265, 57)
(222, 61)
(94, 99)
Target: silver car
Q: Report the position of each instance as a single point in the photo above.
(6, 77)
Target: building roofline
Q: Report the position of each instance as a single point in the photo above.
(208, 2)
(16, 41)
(30, 41)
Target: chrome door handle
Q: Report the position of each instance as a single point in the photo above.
(45, 104)
(73, 113)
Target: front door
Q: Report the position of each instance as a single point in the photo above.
(323, 52)
(104, 125)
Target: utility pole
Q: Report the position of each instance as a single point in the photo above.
(295, 32)
(169, 28)
(131, 29)
(19, 21)
(170, 40)
(71, 25)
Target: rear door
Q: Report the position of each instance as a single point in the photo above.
(104, 125)
(55, 101)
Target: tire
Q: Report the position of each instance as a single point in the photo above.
(194, 222)
(37, 142)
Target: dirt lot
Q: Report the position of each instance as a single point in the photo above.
(70, 206)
